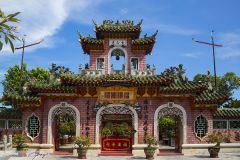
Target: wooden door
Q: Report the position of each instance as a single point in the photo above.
(177, 133)
(56, 133)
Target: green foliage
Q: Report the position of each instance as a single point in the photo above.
(217, 138)
(117, 129)
(67, 125)
(15, 79)
(234, 103)
(167, 125)
(167, 122)
(64, 128)
(39, 74)
(8, 32)
(106, 132)
(151, 142)
(19, 140)
(82, 142)
(225, 84)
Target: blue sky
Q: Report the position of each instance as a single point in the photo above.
(177, 22)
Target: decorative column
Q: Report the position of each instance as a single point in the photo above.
(87, 119)
(10, 140)
(145, 128)
(5, 142)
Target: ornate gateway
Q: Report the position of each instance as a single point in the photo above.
(64, 109)
(170, 111)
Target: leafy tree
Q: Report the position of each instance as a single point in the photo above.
(225, 84)
(15, 79)
(167, 127)
(8, 32)
(39, 74)
(233, 103)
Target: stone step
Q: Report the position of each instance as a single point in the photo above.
(115, 153)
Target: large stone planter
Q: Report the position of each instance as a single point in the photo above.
(149, 152)
(22, 153)
(82, 154)
(213, 151)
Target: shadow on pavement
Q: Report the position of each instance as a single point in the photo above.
(137, 158)
(201, 156)
(69, 157)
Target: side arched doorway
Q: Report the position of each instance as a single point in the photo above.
(178, 114)
(116, 113)
(62, 109)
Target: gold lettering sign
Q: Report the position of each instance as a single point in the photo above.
(116, 94)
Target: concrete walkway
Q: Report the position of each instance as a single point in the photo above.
(13, 156)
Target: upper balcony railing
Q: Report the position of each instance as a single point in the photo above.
(117, 72)
(134, 72)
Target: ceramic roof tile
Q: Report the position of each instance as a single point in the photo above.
(227, 113)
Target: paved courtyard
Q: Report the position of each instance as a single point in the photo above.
(13, 156)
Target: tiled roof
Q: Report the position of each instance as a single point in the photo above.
(90, 43)
(10, 113)
(41, 87)
(227, 113)
(211, 97)
(145, 43)
(24, 100)
(91, 40)
(181, 87)
(71, 79)
(110, 26)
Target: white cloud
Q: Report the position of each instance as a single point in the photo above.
(192, 55)
(43, 18)
(124, 11)
(231, 45)
(173, 29)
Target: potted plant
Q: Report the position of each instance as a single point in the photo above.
(151, 147)
(64, 130)
(217, 138)
(82, 144)
(106, 132)
(19, 140)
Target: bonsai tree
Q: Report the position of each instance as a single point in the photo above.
(19, 140)
(151, 147)
(217, 138)
(82, 144)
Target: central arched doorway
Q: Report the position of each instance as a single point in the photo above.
(171, 138)
(112, 119)
(58, 115)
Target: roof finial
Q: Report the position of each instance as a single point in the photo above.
(94, 22)
(155, 34)
(140, 23)
(80, 35)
